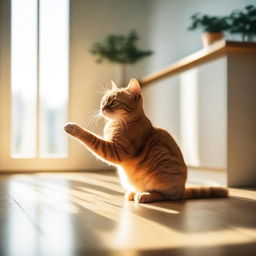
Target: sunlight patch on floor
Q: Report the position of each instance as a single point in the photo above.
(53, 200)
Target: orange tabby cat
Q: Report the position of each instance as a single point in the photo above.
(150, 164)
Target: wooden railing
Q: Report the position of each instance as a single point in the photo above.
(204, 55)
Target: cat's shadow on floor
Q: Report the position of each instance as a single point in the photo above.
(183, 215)
(194, 215)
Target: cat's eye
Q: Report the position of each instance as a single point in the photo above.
(114, 103)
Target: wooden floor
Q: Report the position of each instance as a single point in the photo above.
(85, 214)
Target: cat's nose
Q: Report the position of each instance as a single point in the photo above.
(104, 107)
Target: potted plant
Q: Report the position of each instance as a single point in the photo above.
(243, 22)
(120, 49)
(212, 27)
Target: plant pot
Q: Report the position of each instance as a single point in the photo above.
(210, 38)
(121, 71)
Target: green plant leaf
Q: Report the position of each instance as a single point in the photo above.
(120, 49)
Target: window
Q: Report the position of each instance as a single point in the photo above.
(39, 77)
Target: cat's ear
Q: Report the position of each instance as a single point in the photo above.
(134, 87)
(114, 86)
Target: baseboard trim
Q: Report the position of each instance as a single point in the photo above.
(6, 172)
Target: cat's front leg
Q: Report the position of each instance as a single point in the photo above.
(147, 197)
(106, 150)
(129, 195)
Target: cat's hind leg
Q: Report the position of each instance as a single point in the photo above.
(147, 197)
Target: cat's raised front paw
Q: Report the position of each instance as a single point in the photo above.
(71, 128)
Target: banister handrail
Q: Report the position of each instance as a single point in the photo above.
(216, 50)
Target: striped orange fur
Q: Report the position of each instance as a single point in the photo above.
(150, 164)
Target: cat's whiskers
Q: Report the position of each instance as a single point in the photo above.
(96, 120)
(104, 89)
(93, 117)
(90, 115)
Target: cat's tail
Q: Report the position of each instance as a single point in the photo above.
(204, 192)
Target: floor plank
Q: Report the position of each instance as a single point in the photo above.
(85, 213)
